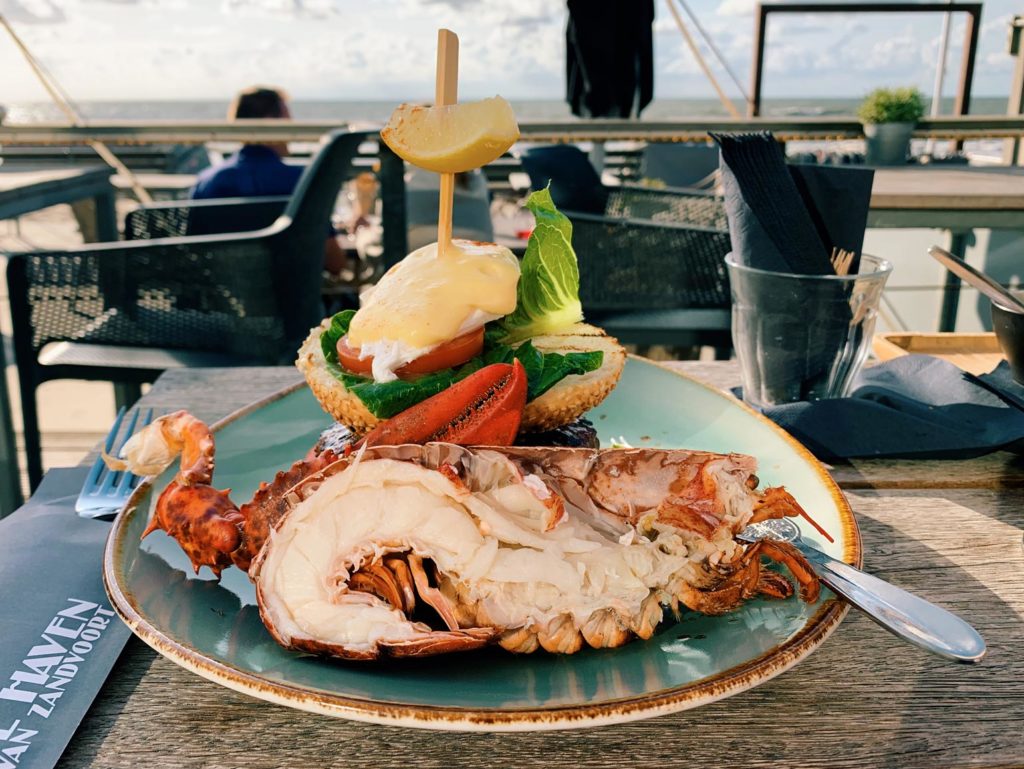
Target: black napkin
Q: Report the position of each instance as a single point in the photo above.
(788, 218)
(60, 636)
(914, 406)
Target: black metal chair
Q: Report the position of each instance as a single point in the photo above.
(10, 481)
(680, 164)
(125, 312)
(652, 267)
(574, 184)
(649, 282)
(179, 219)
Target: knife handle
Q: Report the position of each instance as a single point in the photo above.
(904, 614)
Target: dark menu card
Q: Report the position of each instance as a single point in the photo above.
(59, 635)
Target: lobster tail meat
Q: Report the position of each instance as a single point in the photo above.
(528, 548)
(412, 550)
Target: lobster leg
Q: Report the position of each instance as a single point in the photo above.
(751, 579)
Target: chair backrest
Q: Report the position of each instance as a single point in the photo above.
(298, 245)
(575, 185)
(10, 480)
(182, 218)
(314, 197)
(253, 295)
(667, 204)
(247, 215)
(198, 294)
(629, 264)
(678, 164)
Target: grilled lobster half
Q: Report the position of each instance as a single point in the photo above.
(417, 548)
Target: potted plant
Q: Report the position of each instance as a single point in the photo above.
(889, 116)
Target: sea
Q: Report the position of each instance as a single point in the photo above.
(378, 111)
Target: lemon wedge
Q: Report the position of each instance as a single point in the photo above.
(453, 138)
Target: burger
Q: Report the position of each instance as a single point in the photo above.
(439, 316)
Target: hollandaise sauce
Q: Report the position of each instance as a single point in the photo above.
(430, 298)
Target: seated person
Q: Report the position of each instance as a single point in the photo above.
(257, 170)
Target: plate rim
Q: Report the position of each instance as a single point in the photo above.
(753, 672)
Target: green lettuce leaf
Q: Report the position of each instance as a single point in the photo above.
(544, 369)
(548, 294)
(385, 399)
(329, 338)
(555, 367)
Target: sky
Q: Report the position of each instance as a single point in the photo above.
(384, 49)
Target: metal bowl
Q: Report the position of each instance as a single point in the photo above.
(1009, 327)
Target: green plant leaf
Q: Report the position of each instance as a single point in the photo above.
(554, 367)
(891, 105)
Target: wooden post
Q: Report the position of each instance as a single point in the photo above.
(1012, 147)
(757, 72)
(446, 92)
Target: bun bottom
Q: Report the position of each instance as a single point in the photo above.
(566, 401)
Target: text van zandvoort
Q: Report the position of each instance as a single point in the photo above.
(40, 679)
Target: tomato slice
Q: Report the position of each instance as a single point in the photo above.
(450, 354)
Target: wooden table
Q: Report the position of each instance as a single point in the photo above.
(948, 197)
(957, 199)
(950, 531)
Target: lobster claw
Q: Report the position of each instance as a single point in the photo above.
(484, 409)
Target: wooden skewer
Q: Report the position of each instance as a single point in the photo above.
(446, 92)
(841, 260)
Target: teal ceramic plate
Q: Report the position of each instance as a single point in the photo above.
(214, 628)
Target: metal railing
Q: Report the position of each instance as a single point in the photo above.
(825, 128)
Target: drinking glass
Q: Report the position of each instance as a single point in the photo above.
(802, 337)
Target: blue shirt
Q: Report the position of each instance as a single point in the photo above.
(254, 171)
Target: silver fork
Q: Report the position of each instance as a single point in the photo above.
(105, 491)
(902, 613)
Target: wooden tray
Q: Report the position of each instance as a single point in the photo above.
(974, 353)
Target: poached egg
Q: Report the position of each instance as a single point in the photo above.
(430, 298)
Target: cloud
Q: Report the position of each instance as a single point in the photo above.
(316, 9)
(32, 12)
(457, 5)
(736, 8)
(384, 49)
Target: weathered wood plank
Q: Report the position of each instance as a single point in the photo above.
(863, 699)
(948, 188)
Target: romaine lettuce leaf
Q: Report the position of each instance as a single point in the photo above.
(548, 294)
